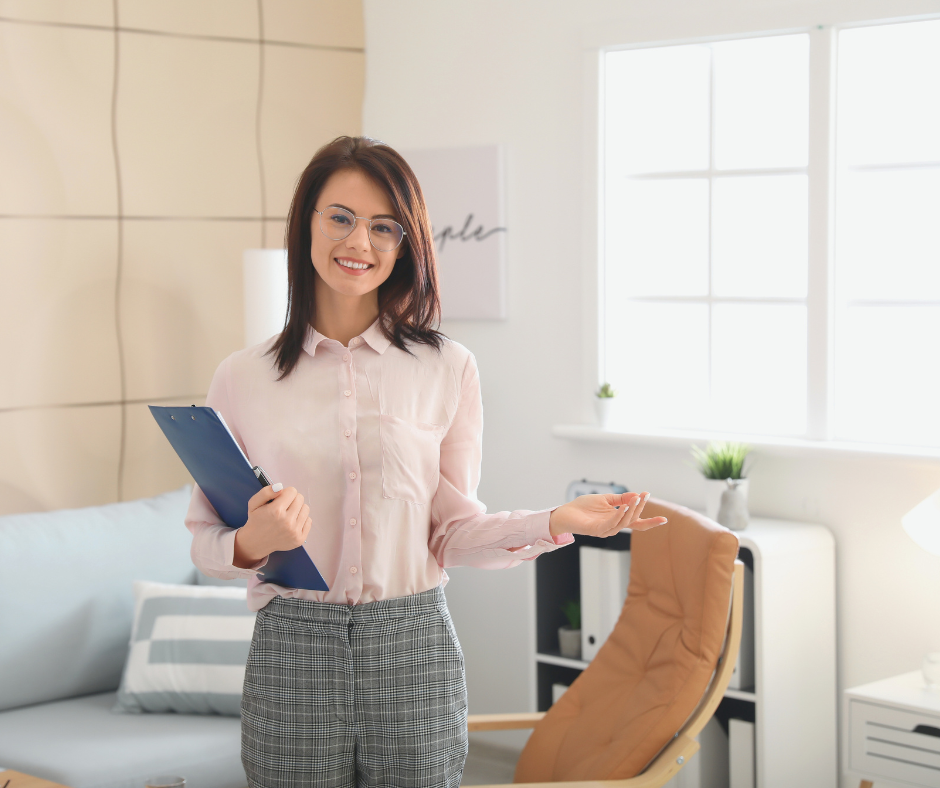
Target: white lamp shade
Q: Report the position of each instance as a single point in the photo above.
(922, 523)
(265, 280)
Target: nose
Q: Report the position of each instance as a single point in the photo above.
(359, 237)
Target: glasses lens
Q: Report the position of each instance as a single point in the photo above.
(336, 223)
(385, 234)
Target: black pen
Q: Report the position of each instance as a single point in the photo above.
(261, 477)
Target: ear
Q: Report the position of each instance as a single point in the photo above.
(401, 251)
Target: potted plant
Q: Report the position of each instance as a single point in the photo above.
(726, 487)
(604, 401)
(569, 635)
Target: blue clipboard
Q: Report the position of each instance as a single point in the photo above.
(222, 471)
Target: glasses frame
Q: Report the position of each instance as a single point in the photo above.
(353, 227)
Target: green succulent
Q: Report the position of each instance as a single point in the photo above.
(606, 392)
(572, 611)
(723, 460)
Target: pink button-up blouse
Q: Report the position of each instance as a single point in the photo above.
(385, 447)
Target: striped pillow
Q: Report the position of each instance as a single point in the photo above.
(188, 650)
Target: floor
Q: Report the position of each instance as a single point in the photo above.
(488, 764)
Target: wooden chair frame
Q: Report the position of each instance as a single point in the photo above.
(677, 753)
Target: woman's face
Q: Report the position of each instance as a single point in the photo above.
(352, 266)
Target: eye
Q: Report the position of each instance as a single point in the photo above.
(383, 227)
(340, 218)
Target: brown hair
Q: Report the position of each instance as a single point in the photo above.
(409, 300)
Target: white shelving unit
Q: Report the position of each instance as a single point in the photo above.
(793, 703)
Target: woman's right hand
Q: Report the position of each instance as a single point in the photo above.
(278, 519)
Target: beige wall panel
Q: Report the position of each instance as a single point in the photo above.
(56, 458)
(274, 234)
(181, 302)
(82, 12)
(57, 329)
(310, 96)
(56, 155)
(231, 18)
(151, 466)
(186, 127)
(336, 23)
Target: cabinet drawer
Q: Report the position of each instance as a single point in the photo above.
(898, 745)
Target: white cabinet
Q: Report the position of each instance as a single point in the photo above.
(893, 732)
(794, 698)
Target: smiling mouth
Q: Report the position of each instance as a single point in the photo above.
(352, 265)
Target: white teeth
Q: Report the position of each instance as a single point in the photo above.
(350, 264)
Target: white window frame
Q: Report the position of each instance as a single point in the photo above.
(821, 208)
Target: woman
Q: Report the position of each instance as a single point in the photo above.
(375, 419)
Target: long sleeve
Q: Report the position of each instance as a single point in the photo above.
(462, 533)
(213, 548)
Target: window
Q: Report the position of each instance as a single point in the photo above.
(887, 235)
(707, 285)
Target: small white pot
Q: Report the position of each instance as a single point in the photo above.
(735, 513)
(569, 642)
(604, 407)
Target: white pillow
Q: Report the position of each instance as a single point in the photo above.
(188, 649)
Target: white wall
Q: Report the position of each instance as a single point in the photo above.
(446, 73)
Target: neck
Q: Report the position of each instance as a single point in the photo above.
(342, 317)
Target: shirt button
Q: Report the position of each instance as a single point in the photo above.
(353, 521)
(347, 433)
(353, 570)
(347, 392)
(346, 357)
(352, 475)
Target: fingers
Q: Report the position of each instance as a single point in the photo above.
(638, 509)
(292, 510)
(652, 522)
(264, 495)
(627, 503)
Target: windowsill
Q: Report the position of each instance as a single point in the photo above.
(769, 445)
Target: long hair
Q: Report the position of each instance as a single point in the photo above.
(409, 300)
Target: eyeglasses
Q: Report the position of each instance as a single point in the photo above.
(337, 223)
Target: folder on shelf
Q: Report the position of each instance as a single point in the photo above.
(743, 676)
(208, 450)
(604, 578)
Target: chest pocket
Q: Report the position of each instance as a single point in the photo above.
(411, 458)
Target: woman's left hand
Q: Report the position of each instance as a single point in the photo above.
(598, 515)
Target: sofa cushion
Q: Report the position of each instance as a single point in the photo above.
(66, 599)
(188, 649)
(80, 743)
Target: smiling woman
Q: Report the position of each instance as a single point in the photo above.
(403, 277)
(376, 420)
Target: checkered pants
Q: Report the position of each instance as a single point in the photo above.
(364, 696)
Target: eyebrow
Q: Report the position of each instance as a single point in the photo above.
(347, 208)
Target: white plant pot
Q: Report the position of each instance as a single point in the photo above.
(735, 514)
(604, 407)
(569, 642)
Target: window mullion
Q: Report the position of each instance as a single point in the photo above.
(819, 291)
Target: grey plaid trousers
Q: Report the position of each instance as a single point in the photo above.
(359, 696)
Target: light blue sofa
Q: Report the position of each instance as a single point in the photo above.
(66, 609)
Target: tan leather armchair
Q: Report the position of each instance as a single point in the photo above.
(631, 718)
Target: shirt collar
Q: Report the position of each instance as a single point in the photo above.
(375, 338)
(372, 336)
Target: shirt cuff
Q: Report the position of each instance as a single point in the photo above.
(228, 548)
(537, 530)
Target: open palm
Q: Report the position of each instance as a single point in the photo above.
(602, 515)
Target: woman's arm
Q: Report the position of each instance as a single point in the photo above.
(463, 534)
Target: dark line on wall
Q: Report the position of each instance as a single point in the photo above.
(120, 260)
(190, 36)
(264, 201)
(195, 398)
